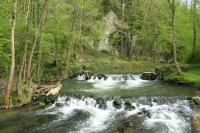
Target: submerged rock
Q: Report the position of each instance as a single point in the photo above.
(87, 74)
(149, 76)
(100, 76)
(130, 125)
(145, 112)
(128, 105)
(60, 104)
(81, 113)
(101, 103)
(117, 103)
(41, 105)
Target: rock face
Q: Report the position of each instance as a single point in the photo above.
(149, 76)
(111, 21)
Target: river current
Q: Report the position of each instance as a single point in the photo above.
(117, 103)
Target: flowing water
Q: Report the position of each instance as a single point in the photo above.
(119, 103)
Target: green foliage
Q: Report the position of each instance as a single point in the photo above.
(1, 98)
(71, 31)
(194, 56)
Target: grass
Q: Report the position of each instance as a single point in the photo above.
(190, 74)
(104, 64)
(101, 62)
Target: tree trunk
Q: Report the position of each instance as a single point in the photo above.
(122, 34)
(27, 23)
(178, 69)
(81, 25)
(6, 91)
(37, 34)
(194, 15)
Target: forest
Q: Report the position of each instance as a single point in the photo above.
(75, 44)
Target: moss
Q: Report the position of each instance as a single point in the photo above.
(41, 105)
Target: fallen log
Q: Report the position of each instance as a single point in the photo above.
(48, 89)
(46, 93)
(55, 91)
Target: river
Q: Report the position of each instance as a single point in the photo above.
(119, 103)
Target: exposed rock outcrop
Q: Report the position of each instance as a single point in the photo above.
(111, 24)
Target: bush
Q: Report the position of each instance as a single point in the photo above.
(194, 56)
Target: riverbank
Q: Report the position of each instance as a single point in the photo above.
(32, 94)
(190, 75)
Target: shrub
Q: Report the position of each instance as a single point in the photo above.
(194, 56)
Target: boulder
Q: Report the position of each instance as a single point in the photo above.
(196, 121)
(128, 105)
(48, 100)
(41, 105)
(81, 113)
(86, 73)
(130, 125)
(60, 104)
(149, 76)
(117, 103)
(145, 112)
(101, 103)
(196, 100)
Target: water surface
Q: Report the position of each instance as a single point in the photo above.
(119, 103)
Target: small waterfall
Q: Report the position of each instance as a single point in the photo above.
(109, 81)
(81, 77)
(169, 115)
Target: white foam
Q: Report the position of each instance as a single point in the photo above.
(116, 81)
(169, 116)
(100, 119)
(81, 77)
